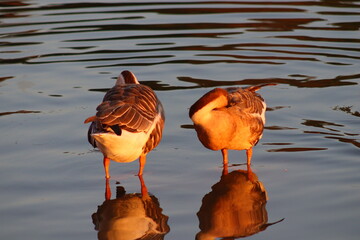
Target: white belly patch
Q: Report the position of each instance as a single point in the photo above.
(125, 148)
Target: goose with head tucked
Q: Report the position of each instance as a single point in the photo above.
(231, 118)
(128, 123)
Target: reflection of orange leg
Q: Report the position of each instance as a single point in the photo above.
(144, 191)
(225, 156)
(106, 167)
(225, 170)
(142, 161)
(249, 154)
(250, 174)
(107, 189)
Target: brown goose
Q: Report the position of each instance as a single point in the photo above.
(128, 123)
(231, 118)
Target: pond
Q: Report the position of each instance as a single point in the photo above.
(58, 58)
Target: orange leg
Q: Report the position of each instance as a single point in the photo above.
(142, 161)
(225, 161)
(106, 167)
(249, 154)
(144, 191)
(225, 156)
(107, 190)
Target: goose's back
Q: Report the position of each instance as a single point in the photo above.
(133, 107)
(246, 101)
(248, 108)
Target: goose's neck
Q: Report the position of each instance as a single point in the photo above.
(126, 77)
(201, 111)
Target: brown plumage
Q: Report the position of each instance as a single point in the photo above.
(128, 123)
(231, 118)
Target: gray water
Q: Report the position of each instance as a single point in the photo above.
(59, 57)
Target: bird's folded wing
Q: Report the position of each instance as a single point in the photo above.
(133, 107)
(247, 101)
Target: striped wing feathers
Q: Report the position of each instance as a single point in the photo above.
(132, 107)
(251, 107)
(155, 135)
(246, 101)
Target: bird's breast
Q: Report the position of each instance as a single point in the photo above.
(225, 130)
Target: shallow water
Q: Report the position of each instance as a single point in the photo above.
(58, 59)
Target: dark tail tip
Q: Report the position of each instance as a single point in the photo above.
(257, 87)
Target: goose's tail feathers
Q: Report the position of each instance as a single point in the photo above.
(257, 87)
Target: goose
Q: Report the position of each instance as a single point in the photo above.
(230, 118)
(128, 123)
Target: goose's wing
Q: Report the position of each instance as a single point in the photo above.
(131, 107)
(251, 108)
(248, 101)
(156, 134)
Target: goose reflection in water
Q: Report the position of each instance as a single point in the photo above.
(130, 216)
(234, 208)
